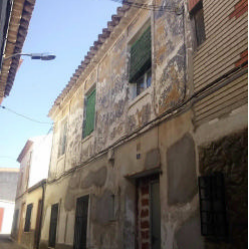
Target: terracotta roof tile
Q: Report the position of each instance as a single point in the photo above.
(92, 51)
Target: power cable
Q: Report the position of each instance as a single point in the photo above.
(8, 157)
(24, 116)
(153, 7)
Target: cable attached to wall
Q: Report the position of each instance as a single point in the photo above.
(167, 8)
(24, 116)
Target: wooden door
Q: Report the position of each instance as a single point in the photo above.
(80, 230)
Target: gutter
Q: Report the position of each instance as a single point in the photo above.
(5, 29)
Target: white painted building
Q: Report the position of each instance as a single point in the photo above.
(8, 182)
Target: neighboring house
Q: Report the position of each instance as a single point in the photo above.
(159, 100)
(34, 163)
(8, 183)
(14, 22)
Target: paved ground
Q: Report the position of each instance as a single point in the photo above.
(6, 243)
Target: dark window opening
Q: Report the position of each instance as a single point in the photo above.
(212, 206)
(53, 225)
(197, 18)
(28, 218)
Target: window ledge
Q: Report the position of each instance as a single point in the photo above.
(61, 157)
(139, 97)
(87, 137)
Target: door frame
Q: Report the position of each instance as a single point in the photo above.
(20, 230)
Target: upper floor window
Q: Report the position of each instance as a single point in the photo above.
(88, 125)
(197, 19)
(63, 138)
(28, 218)
(140, 62)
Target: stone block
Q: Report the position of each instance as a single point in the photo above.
(189, 235)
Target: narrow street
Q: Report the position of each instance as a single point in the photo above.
(7, 243)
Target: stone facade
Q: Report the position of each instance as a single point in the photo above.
(164, 133)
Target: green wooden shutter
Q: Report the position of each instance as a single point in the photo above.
(140, 56)
(90, 114)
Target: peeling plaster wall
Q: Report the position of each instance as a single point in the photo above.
(174, 146)
(117, 114)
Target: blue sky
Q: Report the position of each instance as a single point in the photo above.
(66, 29)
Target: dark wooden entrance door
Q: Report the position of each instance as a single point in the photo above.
(80, 230)
(53, 225)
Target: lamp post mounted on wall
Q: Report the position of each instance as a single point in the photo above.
(34, 56)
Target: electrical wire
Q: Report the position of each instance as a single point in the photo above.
(153, 7)
(8, 157)
(23, 116)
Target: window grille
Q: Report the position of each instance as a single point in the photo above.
(212, 206)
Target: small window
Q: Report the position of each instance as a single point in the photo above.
(53, 225)
(140, 62)
(28, 218)
(197, 18)
(88, 125)
(63, 138)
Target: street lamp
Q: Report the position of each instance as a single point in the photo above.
(34, 56)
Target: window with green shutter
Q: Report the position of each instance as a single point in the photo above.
(63, 138)
(89, 114)
(140, 56)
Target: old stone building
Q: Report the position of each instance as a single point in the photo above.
(34, 163)
(159, 100)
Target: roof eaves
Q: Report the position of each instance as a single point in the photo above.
(24, 150)
(20, 16)
(106, 32)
